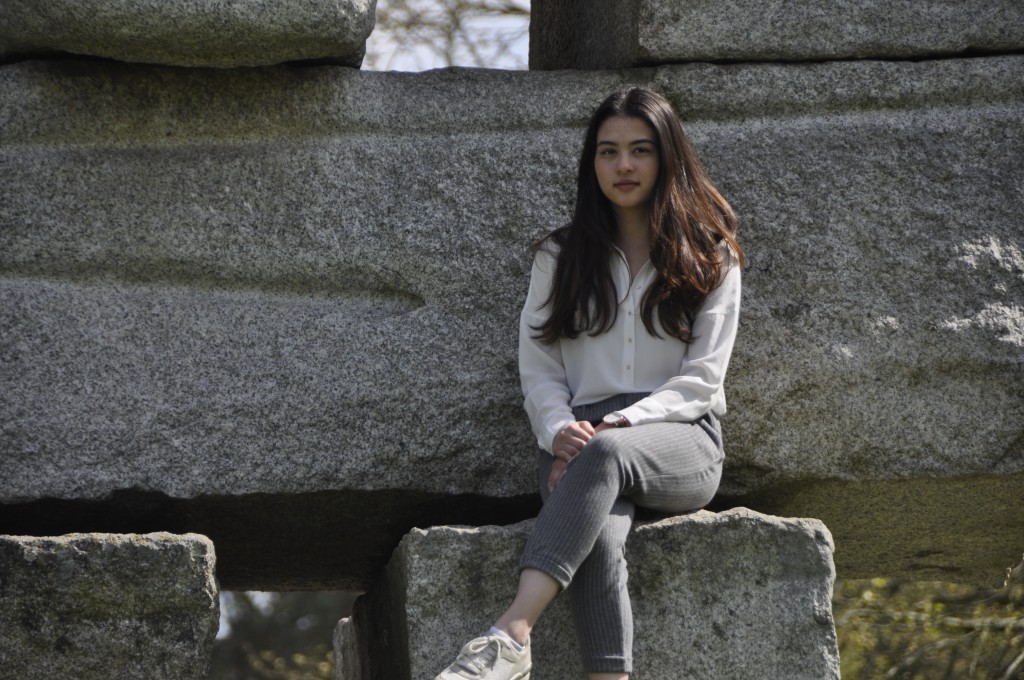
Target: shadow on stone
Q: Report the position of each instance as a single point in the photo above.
(312, 541)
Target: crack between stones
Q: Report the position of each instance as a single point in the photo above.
(971, 53)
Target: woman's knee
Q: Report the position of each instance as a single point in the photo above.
(608, 446)
(614, 453)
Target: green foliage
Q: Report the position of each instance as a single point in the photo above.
(318, 664)
(888, 629)
(894, 629)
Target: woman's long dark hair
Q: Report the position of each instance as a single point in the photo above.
(688, 219)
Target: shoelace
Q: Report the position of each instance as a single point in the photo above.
(474, 657)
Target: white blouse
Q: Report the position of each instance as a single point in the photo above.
(685, 381)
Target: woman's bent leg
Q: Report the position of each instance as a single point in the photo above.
(581, 532)
(671, 467)
(599, 598)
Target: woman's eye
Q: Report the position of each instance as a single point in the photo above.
(642, 150)
(607, 152)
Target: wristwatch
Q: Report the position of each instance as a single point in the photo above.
(615, 421)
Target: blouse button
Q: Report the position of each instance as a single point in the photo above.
(629, 339)
(628, 367)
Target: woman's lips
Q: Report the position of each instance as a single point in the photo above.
(626, 185)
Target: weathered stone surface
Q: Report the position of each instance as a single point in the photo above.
(736, 594)
(783, 30)
(588, 34)
(347, 663)
(306, 281)
(777, 30)
(217, 33)
(107, 607)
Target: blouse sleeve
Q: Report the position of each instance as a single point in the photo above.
(699, 386)
(541, 371)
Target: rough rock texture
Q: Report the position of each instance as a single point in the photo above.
(218, 33)
(736, 594)
(107, 606)
(235, 287)
(587, 34)
(347, 662)
(781, 30)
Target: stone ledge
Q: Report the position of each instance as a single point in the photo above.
(217, 33)
(603, 34)
(789, 30)
(107, 606)
(735, 594)
(51, 104)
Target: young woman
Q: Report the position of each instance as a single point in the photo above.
(624, 343)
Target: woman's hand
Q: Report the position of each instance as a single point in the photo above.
(568, 443)
(557, 470)
(571, 440)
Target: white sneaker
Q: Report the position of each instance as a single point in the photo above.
(490, 657)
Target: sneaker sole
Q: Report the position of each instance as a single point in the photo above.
(525, 675)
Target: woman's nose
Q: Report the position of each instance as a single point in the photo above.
(625, 163)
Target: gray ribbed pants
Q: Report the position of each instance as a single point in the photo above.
(580, 535)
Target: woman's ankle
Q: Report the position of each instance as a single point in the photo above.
(518, 630)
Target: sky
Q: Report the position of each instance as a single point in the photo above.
(383, 53)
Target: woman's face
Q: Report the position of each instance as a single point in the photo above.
(627, 162)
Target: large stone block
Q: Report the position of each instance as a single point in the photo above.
(283, 293)
(107, 607)
(588, 34)
(202, 33)
(736, 594)
(779, 30)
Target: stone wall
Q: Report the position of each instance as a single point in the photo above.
(107, 607)
(258, 295)
(736, 594)
(285, 297)
(217, 294)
